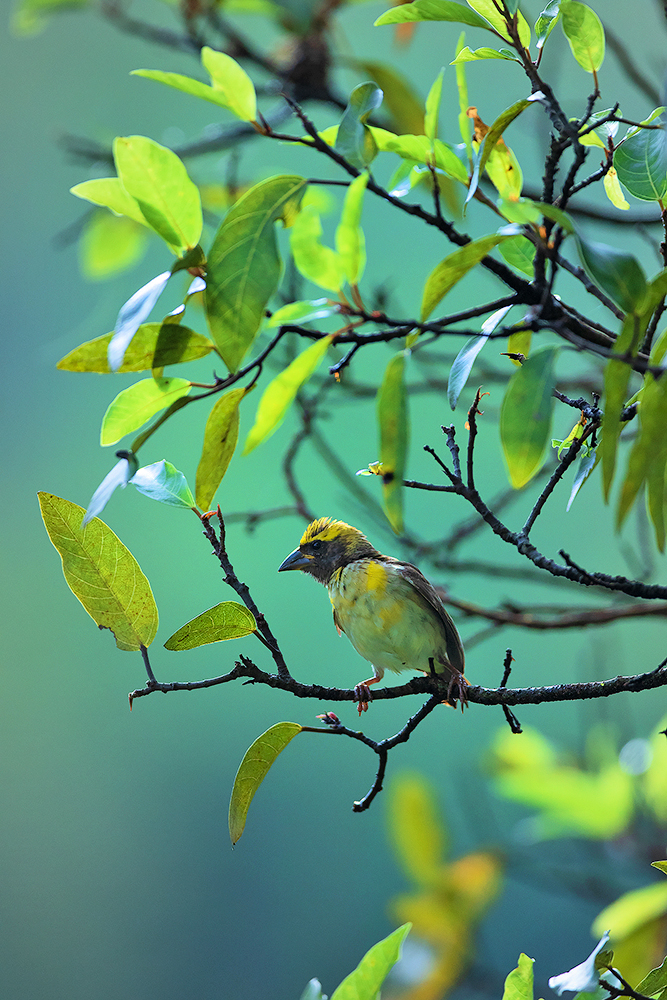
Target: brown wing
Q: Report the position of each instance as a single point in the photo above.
(428, 592)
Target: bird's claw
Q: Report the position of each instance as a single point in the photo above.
(362, 694)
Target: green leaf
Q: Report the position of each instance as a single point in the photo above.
(489, 10)
(433, 10)
(640, 161)
(159, 182)
(465, 123)
(120, 475)
(493, 136)
(400, 99)
(228, 620)
(661, 866)
(154, 345)
(464, 360)
(648, 455)
(583, 30)
(281, 392)
(350, 241)
(616, 272)
(138, 403)
(101, 573)
(393, 424)
(30, 16)
(616, 380)
(546, 22)
(304, 311)
(474, 55)
(244, 265)
(164, 483)
(415, 829)
(131, 315)
(525, 416)
(632, 910)
(419, 149)
(519, 252)
(354, 139)
(519, 983)
(365, 982)
(110, 244)
(656, 981)
(220, 437)
(254, 768)
(433, 108)
(454, 267)
(316, 262)
(231, 87)
(108, 192)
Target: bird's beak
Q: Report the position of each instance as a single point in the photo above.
(295, 560)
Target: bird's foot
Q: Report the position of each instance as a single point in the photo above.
(456, 690)
(363, 694)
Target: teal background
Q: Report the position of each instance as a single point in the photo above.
(117, 878)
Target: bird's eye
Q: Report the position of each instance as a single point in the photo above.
(317, 544)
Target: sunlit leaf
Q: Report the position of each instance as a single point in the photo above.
(450, 270)
(157, 179)
(350, 241)
(489, 10)
(244, 265)
(108, 192)
(154, 345)
(640, 161)
(161, 481)
(366, 980)
(474, 55)
(220, 437)
(519, 252)
(616, 272)
(433, 10)
(254, 768)
(504, 171)
(419, 149)
(627, 913)
(110, 244)
(494, 136)
(120, 475)
(583, 30)
(303, 312)
(415, 828)
(315, 261)
(432, 107)
(546, 22)
(228, 620)
(464, 360)
(355, 140)
(648, 454)
(102, 573)
(614, 191)
(281, 392)
(519, 342)
(465, 124)
(656, 981)
(138, 403)
(525, 416)
(393, 424)
(130, 317)
(519, 983)
(616, 380)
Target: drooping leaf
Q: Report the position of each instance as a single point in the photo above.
(586, 465)
(138, 403)
(465, 359)
(315, 261)
(615, 271)
(281, 392)
(163, 482)
(355, 140)
(366, 980)
(154, 345)
(494, 135)
(433, 10)
(416, 831)
(157, 179)
(120, 475)
(519, 983)
(616, 380)
(303, 312)
(244, 265)
(108, 192)
(393, 425)
(227, 620)
(110, 244)
(519, 252)
(648, 455)
(400, 99)
(432, 107)
(489, 10)
(450, 270)
(614, 191)
(101, 573)
(130, 317)
(546, 22)
(465, 124)
(350, 240)
(525, 416)
(220, 437)
(583, 30)
(640, 161)
(254, 768)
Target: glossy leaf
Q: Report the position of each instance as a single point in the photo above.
(419, 149)
(120, 475)
(489, 10)
(616, 272)
(231, 87)
(157, 179)
(227, 620)
(281, 392)
(546, 22)
(244, 265)
(586, 465)
(519, 252)
(475, 55)
(138, 403)
(648, 455)
(366, 980)
(154, 345)
(433, 108)
(641, 164)
(393, 424)
(525, 416)
(350, 241)
(465, 359)
(254, 768)
(354, 139)
(583, 30)
(433, 10)
(220, 437)
(108, 192)
(415, 829)
(519, 983)
(315, 261)
(161, 481)
(303, 312)
(454, 267)
(110, 244)
(400, 99)
(130, 317)
(101, 573)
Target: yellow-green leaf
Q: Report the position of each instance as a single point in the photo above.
(489, 10)
(138, 403)
(154, 345)
(450, 270)
(227, 620)
(110, 244)
(614, 191)
(616, 380)
(519, 343)
(350, 241)
(633, 909)
(280, 393)
(315, 261)
(254, 768)
(101, 573)
(648, 455)
(433, 107)
(393, 424)
(366, 980)
(519, 983)
(525, 416)
(244, 264)
(584, 31)
(220, 437)
(108, 192)
(415, 828)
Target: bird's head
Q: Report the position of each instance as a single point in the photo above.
(325, 547)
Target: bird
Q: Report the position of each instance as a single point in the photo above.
(387, 608)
